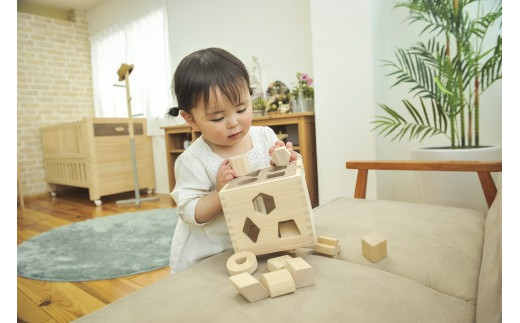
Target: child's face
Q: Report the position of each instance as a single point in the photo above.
(223, 123)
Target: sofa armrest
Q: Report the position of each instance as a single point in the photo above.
(483, 170)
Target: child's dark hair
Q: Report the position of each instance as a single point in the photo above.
(202, 72)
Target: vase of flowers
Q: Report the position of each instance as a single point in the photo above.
(303, 93)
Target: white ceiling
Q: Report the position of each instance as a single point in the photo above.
(68, 4)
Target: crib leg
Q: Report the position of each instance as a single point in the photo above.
(52, 189)
(98, 202)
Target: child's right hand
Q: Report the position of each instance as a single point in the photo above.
(225, 174)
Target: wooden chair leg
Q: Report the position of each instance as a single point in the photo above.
(361, 184)
(488, 186)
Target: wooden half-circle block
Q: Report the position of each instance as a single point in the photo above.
(279, 282)
(242, 262)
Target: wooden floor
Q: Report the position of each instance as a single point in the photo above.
(41, 301)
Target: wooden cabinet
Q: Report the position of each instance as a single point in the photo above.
(95, 153)
(299, 128)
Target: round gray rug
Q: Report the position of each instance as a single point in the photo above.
(102, 248)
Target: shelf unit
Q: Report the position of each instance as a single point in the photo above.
(299, 128)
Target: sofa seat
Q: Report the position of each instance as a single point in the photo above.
(344, 292)
(437, 246)
(439, 258)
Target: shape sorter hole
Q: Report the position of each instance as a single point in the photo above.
(251, 230)
(276, 175)
(287, 229)
(277, 168)
(247, 181)
(264, 203)
(254, 174)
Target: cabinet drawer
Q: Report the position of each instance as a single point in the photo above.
(116, 129)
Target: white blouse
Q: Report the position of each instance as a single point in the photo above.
(195, 175)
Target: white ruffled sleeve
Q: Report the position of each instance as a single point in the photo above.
(192, 182)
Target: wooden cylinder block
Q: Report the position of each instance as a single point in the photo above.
(242, 262)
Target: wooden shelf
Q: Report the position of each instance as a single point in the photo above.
(298, 126)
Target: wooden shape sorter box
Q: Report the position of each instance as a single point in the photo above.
(269, 210)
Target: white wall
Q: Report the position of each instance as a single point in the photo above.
(276, 32)
(344, 98)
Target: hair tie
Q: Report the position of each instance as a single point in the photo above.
(174, 111)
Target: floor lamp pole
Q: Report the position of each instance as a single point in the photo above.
(137, 200)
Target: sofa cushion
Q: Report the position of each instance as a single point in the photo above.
(440, 247)
(344, 292)
(489, 300)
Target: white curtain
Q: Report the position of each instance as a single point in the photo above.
(140, 40)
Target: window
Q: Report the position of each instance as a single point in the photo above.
(142, 41)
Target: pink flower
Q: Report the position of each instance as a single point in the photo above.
(305, 78)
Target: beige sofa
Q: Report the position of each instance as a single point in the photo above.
(443, 265)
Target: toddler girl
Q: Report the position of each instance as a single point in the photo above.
(213, 94)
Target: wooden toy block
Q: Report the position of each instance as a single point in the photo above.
(301, 271)
(269, 210)
(374, 246)
(300, 252)
(281, 156)
(328, 240)
(279, 282)
(240, 262)
(240, 164)
(249, 287)
(277, 263)
(327, 246)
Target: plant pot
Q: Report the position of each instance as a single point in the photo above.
(456, 189)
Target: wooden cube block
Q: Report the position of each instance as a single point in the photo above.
(327, 246)
(240, 262)
(277, 263)
(240, 164)
(301, 271)
(279, 282)
(281, 156)
(249, 287)
(374, 246)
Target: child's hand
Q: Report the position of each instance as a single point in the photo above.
(289, 147)
(225, 174)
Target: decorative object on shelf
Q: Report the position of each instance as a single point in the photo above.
(257, 93)
(278, 100)
(303, 93)
(448, 74)
(281, 136)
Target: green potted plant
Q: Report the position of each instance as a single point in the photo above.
(447, 74)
